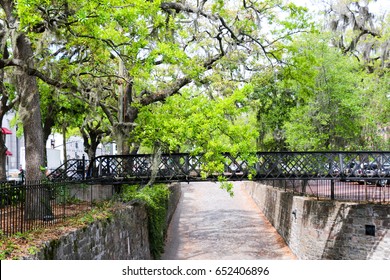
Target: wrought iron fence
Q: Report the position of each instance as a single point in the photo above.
(361, 191)
(259, 166)
(71, 170)
(34, 205)
(351, 176)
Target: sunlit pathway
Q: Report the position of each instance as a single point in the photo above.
(209, 224)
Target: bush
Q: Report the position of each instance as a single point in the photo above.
(156, 199)
(11, 194)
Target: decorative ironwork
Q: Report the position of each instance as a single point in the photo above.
(365, 166)
(71, 170)
(316, 174)
(57, 201)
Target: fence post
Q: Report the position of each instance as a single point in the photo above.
(187, 165)
(83, 164)
(305, 182)
(332, 189)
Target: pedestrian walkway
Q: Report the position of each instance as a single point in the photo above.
(210, 225)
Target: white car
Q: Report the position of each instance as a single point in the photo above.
(14, 175)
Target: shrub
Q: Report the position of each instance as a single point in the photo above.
(156, 199)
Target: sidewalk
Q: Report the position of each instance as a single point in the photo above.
(210, 225)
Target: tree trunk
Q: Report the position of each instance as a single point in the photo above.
(124, 116)
(3, 156)
(29, 112)
(3, 159)
(37, 197)
(5, 106)
(48, 123)
(92, 136)
(65, 152)
(37, 203)
(90, 146)
(122, 138)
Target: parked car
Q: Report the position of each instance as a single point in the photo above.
(350, 168)
(370, 169)
(358, 170)
(14, 175)
(369, 173)
(384, 171)
(332, 169)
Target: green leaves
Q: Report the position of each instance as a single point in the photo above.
(234, 56)
(192, 122)
(331, 89)
(156, 199)
(26, 11)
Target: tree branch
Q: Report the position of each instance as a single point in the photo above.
(34, 72)
(108, 113)
(178, 7)
(150, 98)
(161, 96)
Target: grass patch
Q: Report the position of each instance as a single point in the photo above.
(155, 197)
(20, 245)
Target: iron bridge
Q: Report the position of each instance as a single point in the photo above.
(374, 166)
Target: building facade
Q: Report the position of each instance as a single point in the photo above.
(54, 147)
(12, 142)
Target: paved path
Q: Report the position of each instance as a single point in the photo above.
(209, 224)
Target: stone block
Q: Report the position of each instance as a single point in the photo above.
(325, 229)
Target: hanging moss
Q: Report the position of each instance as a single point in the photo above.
(156, 199)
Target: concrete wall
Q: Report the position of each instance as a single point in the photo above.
(91, 192)
(124, 236)
(173, 200)
(325, 229)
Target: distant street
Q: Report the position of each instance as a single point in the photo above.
(209, 224)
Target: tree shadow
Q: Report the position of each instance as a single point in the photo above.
(358, 232)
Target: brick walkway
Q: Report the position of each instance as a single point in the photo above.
(209, 224)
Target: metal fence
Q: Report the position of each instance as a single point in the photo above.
(360, 191)
(35, 205)
(359, 176)
(71, 170)
(257, 166)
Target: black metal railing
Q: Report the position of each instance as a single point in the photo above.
(71, 170)
(34, 205)
(329, 189)
(259, 166)
(347, 176)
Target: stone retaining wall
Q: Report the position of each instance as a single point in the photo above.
(325, 229)
(173, 200)
(124, 236)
